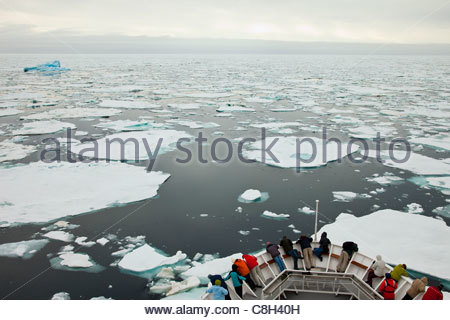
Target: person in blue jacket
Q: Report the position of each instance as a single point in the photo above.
(236, 278)
(214, 277)
(218, 291)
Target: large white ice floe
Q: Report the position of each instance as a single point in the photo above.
(66, 113)
(285, 150)
(10, 151)
(215, 266)
(136, 145)
(9, 112)
(440, 141)
(74, 188)
(42, 127)
(128, 104)
(380, 233)
(416, 163)
(22, 249)
(146, 258)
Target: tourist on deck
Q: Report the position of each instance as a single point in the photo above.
(218, 291)
(388, 287)
(398, 272)
(323, 248)
(273, 250)
(255, 271)
(236, 279)
(434, 293)
(288, 247)
(214, 277)
(244, 271)
(376, 271)
(305, 244)
(417, 287)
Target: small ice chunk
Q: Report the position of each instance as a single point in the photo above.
(166, 273)
(102, 241)
(344, 196)
(386, 179)
(306, 210)
(61, 296)
(414, 208)
(238, 209)
(251, 195)
(244, 233)
(82, 242)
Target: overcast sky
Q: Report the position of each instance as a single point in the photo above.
(354, 21)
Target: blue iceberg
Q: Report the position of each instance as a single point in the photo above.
(48, 68)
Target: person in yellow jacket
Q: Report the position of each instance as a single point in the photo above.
(398, 272)
(417, 287)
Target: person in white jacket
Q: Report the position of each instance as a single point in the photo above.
(376, 271)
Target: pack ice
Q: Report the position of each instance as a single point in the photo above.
(42, 127)
(421, 242)
(10, 151)
(128, 104)
(72, 113)
(73, 188)
(147, 139)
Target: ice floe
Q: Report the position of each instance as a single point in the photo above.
(366, 132)
(185, 285)
(23, 249)
(146, 140)
(184, 106)
(306, 210)
(146, 258)
(251, 195)
(59, 235)
(61, 296)
(226, 109)
(414, 208)
(276, 216)
(285, 150)
(42, 127)
(416, 163)
(9, 112)
(348, 196)
(194, 124)
(216, 266)
(75, 260)
(441, 141)
(129, 125)
(386, 179)
(92, 186)
(10, 151)
(402, 240)
(128, 104)
(72, 113)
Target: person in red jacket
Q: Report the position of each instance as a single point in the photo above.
(388, 287)
(434, 293)
(255, 272)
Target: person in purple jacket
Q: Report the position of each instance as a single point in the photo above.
(272, 249)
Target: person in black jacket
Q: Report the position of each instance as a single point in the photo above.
(288, 247)
(323, 246)
(305, 244)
